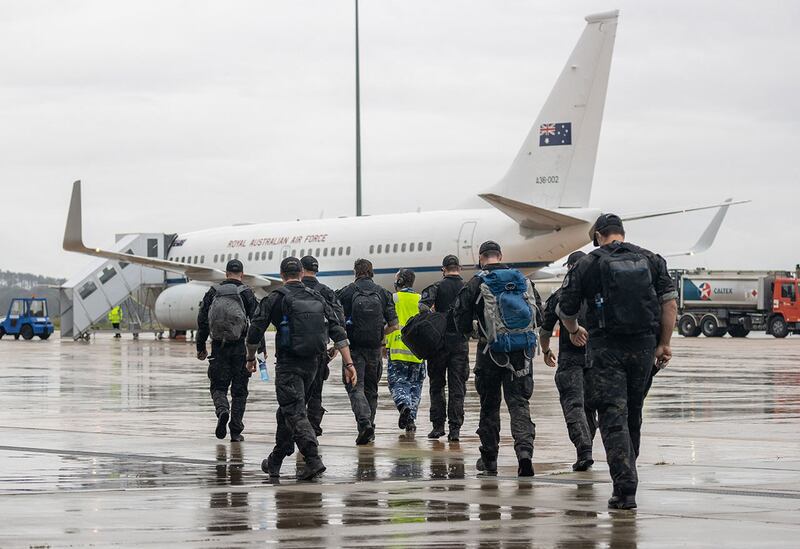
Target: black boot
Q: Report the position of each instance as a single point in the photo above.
(487, 467)
(237, 438)
(438, 431)
(525, 468)
(365, 436)
(312, 469)
(405, 417)
(583, 464)
(454, 434)
(222, 424)
(411, 427)
(622, 502)
(272, 465)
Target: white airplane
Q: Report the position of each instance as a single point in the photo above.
(540, 209)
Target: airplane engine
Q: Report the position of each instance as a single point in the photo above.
(177, 307)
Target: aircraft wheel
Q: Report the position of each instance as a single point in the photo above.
(687, 326)
(26, 332)
(709, 326)
(778, 327)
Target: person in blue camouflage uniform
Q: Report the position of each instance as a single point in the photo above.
(406, 372)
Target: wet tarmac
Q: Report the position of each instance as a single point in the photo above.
(111, 443)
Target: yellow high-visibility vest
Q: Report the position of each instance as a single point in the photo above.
(115, 315)
(407, 305)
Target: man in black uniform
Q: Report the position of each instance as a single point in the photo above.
(315, 409)
(227, 359)
(302, 317)
(581, 423)
(498, 374)
(370, 313)
(453, 361)
(630, 316)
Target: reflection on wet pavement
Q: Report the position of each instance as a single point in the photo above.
(111, 442)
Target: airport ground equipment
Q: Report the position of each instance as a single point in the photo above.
(736, 302)
(27, 317)
(87, 297)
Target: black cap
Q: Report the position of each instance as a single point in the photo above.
(405, 278)
(489, 246)
(574, 257)
(310, 263)
(291, 265)
(450, 261)
(234, 266)
(604, 221)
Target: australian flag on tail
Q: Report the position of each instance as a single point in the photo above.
(559, 133)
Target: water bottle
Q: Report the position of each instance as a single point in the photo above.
(262, 368)
(284, 340)
(598, 305)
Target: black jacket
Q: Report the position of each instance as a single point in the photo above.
(582, 283)
(250, 305)
(329, 295)
(270, 311)
(345, 296)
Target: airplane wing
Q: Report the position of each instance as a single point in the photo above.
(707, 238)
(728, 202)
(73, 242)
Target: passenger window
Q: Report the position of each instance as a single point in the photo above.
(341, 250)
(270, 254)
(195, 260)
(403, 247)
(348, 250)
(371, 249)
(249, 256)
(325, 252)
(411, 247)
(107, 274)
(230, 256)
(380, 247)
(294, 253)
(216, 258)
(419, 247)
(87, 289)
(202, 259)
(394, 248)
(430, 245)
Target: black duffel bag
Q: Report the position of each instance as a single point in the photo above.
(424, 334)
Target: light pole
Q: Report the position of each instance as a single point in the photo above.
(358, 124)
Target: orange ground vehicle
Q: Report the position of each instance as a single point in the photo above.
(736, 302)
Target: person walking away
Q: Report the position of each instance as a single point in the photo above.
(115, 318)
(224, 314)
(630, 315)
(450, 368)
(507, 308)
(314, 403)
(581, 420)
(406, 372)
(370, 315)
(304, 323)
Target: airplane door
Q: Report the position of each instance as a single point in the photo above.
(466, 250)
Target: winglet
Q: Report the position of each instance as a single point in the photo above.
(73, 232)
(710, 234)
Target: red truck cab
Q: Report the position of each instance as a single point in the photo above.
(785, 315)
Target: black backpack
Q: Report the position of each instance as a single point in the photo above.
(304, 315)
(628, 304)
(365, 325)
(424, 334)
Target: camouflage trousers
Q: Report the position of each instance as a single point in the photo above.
(494, 383)
(405, 384)
(226, 369)
(581, 420)
(314, 406)
(616, 380)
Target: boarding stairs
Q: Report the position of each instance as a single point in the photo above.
(86, 298)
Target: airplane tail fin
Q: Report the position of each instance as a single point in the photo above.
(555, 165)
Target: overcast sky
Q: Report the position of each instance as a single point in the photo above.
(187, 115)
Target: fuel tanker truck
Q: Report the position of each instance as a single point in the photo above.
(735, 302)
